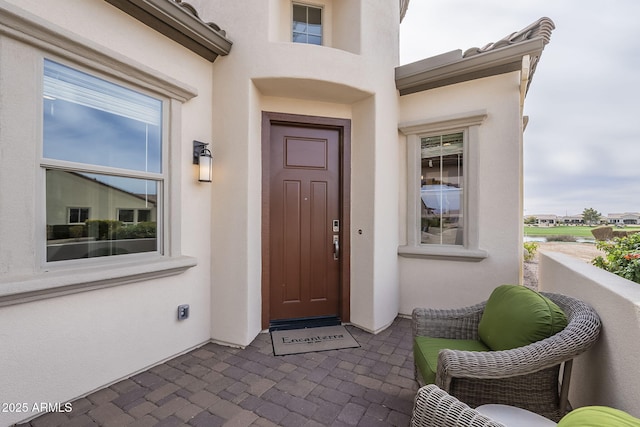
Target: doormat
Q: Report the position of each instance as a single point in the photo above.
(308, 340)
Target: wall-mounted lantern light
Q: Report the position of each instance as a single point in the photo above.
(202, 157)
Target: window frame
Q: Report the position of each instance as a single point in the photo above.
(162, 178)
(469, 124)
(79, 209)
(322, 22)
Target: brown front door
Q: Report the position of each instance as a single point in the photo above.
(304, 220)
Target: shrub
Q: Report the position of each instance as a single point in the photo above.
(136, 231)
(561, 238)
(622, 257)
(102, 229)
(530, 249)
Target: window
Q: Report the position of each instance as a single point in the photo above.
(125, 215)
(102, 150)
(144, 215)
(78, 215)
(307, 24)
(442, 188)
(132, 216)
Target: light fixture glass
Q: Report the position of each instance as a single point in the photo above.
(203, 158)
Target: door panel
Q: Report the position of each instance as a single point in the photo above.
(304, 200)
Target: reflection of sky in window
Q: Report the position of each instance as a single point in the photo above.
(93, 121)
(82, 134)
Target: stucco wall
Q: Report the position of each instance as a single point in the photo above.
(266, 72)
(60, 348)
(607, 374)
(442, 283)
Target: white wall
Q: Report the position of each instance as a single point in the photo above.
(57, 349)
(455, 283)
(607, 374)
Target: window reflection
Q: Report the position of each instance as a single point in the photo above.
(441, 190)
(119, 215)
(90, 124)
(88, 120)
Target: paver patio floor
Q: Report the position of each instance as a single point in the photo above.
(220, 386)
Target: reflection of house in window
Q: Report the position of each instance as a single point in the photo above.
(112, 209)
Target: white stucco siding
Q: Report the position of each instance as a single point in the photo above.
(455, 283)
(60, 348)
(349, 78)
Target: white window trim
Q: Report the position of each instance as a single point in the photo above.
(44, 39)
(468, 123)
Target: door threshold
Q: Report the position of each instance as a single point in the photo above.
(303, 323)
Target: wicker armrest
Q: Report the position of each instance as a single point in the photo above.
(435, 408)
(461, 323)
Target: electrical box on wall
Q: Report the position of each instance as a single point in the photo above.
(183, 311)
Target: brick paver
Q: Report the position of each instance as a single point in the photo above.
(220, 386)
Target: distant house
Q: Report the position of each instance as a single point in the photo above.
(344, 186)
(546, 220)
(627, 218)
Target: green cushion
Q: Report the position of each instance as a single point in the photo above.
(426, 349)
(516, 316)
(598, 416)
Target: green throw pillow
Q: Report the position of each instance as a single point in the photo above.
(516, 316)
(598, 416)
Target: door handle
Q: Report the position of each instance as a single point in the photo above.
(336, 247)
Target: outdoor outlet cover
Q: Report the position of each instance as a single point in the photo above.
(183, 311)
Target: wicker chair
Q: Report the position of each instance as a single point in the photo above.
(526, 377)
(433, 407)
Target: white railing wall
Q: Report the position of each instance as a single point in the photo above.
(609, 373)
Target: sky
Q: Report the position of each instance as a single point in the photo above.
(581, 146)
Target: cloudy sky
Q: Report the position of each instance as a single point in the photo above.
(582, 144)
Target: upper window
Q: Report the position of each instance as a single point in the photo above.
(441, 189)
(102, 151)
(307, 24)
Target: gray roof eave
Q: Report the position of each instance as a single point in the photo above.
(177, 24)
(425, 75)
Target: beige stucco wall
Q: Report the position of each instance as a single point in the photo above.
(455, 283)
(84, 341)
(607, 374)
(60, 348)
(265, 72)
